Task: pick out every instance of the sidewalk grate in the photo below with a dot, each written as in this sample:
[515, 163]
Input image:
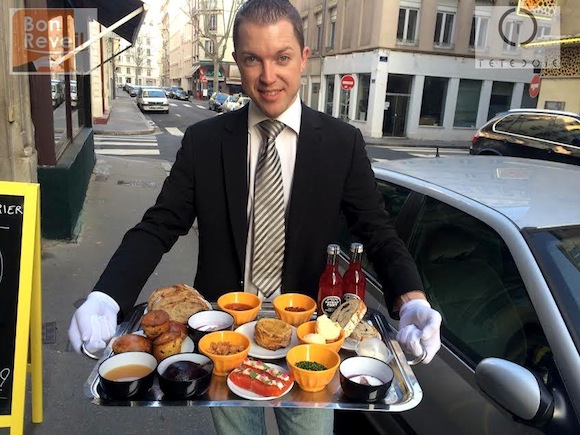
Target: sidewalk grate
[49, 333]
[137, 183]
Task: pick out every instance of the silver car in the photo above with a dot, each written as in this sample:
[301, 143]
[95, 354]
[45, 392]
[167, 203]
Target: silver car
[497, 243]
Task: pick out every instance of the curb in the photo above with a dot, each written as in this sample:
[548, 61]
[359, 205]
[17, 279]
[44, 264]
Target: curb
[123, 132]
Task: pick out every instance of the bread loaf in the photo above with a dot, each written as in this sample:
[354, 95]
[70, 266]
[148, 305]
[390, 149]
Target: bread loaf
[180, 301]
[349, 314]
[364, 330]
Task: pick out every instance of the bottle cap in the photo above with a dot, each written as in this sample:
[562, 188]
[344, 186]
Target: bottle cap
[356, 247]
[333, 249]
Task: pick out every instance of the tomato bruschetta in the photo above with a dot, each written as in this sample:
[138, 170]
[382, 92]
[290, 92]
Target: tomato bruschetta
[259, 378]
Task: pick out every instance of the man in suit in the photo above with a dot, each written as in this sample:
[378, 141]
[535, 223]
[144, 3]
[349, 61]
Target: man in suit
[322, 168]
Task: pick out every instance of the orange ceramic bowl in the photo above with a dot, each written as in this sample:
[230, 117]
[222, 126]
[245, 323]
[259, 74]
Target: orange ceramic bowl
[310, 327]
[240, 316]
[310, 380]
[295, 318]
[223, 364]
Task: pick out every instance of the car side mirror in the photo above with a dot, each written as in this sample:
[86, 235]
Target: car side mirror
[516, 389]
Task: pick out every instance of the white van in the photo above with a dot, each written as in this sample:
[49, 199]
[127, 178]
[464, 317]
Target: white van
[152, 99]
[57, 92]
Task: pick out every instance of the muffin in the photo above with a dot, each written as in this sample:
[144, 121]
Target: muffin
[167, 344]
[155, 323]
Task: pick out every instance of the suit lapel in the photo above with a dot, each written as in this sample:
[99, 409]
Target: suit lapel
[234, 148]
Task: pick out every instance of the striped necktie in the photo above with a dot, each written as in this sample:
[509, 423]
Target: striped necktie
[269, 217]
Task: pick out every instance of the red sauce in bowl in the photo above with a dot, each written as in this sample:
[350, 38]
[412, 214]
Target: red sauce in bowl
[236, 306]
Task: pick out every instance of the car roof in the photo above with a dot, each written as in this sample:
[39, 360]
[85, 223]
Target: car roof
[531, 193]
[544, 111]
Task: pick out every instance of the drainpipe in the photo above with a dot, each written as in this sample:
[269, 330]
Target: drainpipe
[321, 55]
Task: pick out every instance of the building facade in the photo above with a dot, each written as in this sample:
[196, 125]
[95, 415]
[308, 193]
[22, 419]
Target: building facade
[140, 64]
[193, 30]
[412, 63]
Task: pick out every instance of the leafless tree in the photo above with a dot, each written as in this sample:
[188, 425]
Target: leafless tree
[206, 16]
[139, 56]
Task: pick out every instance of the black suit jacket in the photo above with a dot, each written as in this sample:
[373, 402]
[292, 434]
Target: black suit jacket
[209, 181]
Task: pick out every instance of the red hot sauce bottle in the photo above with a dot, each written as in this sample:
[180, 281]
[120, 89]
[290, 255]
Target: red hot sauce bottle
[354, 280]
[330, 284]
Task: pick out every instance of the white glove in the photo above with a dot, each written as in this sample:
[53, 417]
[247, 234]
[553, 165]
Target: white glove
[419, 324]
[94, 322]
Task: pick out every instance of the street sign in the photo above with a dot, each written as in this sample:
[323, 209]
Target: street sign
[534, 88]
[347, 82]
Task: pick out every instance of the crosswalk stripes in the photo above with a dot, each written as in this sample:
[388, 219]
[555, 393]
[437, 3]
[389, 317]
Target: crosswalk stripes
[174, 131]
[138, 145]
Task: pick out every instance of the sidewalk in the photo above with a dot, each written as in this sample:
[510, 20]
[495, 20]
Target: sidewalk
[125, 118]
[119, 192]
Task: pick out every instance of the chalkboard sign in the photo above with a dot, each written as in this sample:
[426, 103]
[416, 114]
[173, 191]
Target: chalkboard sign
[20, 303]
[11, 219]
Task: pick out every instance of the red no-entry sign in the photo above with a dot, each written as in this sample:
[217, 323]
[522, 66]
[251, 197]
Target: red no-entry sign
[534, 88]
[347, 82]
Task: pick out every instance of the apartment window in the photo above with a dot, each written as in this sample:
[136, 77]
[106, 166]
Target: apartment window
[331, 27]
[209, 47]
[148, 41]
[318, 45]
[329, 94]
[478, 37]
[433, 104]
[148, 73]
[305, 28]
[213, 22]
[128, 70]
[148, 52]
[148, 62]
[408, 25]
[512, 33]
[362, 104]
[467, 103]
[444, 29]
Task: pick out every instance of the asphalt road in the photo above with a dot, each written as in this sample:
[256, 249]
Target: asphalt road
[181, 114]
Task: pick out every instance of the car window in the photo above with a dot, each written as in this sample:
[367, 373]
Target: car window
[471, 278]
[154, 93]
[504, 124]
[534, 125]
[566, 130]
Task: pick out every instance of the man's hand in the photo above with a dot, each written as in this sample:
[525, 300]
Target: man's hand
[419, 325]
[94, 323]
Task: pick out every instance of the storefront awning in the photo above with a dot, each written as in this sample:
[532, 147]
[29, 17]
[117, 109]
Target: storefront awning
[192, 71]
[110, 13]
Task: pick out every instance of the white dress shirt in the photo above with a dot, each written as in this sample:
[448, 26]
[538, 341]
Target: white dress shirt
[286, 147]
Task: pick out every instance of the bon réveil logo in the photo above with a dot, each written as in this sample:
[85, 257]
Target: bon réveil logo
[43, 41]
[518, 37]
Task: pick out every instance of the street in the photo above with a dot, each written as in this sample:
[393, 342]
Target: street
[166, 140]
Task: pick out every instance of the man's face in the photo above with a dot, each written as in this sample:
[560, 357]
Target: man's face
[270, 63]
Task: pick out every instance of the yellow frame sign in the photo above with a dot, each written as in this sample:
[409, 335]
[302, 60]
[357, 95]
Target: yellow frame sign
[28, 311]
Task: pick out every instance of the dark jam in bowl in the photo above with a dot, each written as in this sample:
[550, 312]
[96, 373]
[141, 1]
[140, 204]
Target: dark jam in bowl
[236, 306]
[295, 309]
[181, 371]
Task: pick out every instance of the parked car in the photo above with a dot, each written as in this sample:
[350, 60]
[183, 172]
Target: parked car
[73, 93]
[152, 99]
[167, 90]
[234, 103]
[538, 134]
[134, 90]
[57, 92]
[497, 243]
[216, 101]
[180, 94]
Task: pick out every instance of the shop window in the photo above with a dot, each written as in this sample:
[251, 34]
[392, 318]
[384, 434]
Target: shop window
[467, 103]
[314, 95]
[501, 96]
[344, 104]
[433, 103]
[527, 101]
[329, 94]
[362, 104]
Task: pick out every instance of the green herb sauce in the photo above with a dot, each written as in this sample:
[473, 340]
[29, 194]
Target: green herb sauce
[310, 365]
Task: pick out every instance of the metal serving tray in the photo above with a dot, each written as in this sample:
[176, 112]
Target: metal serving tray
[405, 392]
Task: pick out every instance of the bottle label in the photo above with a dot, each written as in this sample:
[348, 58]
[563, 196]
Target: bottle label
[349, 296]
[329, 304]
